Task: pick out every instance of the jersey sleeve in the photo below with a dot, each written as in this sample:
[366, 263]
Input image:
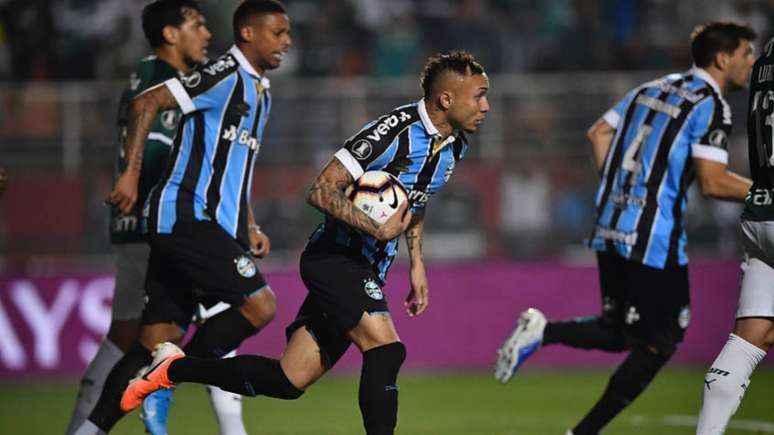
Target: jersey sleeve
[614, 115]
[371, 143]
[206, 86]
[710, 128]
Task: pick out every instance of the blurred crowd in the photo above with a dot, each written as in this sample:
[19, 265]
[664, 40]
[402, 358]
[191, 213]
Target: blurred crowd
[101, 39]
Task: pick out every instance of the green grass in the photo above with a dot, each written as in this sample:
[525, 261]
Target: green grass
[534, 402]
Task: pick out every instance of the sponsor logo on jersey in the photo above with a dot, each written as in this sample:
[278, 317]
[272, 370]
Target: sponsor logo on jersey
[241, 137]
[245, 266]
[192, 80]
[384, 127]
[716, 371]
[362, 149]
[372, 290]
[718, 138]
[220, 66]
[418, 197]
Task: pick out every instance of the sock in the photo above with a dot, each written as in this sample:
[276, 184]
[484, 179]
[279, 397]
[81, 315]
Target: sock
[629, 380]
[725, 384]
[107, 411]
[228, 408]
[378, 394]
[585, 333]
[220, 335]
[93, 379]
[88, 428]
[248, 375]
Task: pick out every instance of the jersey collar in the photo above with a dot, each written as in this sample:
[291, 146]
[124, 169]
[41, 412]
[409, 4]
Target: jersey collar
[439, 141]
[704, 75]
[240, 57]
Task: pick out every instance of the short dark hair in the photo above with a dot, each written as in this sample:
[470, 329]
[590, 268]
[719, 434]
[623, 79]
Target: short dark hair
[717, 36]
[162, 13]
[250, 8]
[458, 61]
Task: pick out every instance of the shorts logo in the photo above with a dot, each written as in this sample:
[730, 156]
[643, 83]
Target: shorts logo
[684, 318]
[245, 266]
[718, 138]
[192, 80]
[362, 149]
[372, 290]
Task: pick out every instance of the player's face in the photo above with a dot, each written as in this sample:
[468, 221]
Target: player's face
[740, 65]
[470, 104]
[271, 39]
[194, 37]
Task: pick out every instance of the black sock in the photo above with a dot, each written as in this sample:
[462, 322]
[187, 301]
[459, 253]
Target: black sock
[378, 395]
[108, 411]
[629, 380]
[220, 334]
[248, 375]
[585, 333]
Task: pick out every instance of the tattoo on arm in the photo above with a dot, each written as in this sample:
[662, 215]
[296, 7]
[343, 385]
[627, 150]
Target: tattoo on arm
[414, 236]
[144, 109]
[327, 195]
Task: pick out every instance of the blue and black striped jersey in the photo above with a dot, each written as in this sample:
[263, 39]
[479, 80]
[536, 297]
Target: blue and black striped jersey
[226, 105]
[660, 127]
[406, 144]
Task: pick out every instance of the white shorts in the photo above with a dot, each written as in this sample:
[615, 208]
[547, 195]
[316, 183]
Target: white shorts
[756, 297]
[129, 292]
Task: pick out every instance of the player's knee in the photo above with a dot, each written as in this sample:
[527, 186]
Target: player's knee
[260, 308]
[665, 350]
[389, 357]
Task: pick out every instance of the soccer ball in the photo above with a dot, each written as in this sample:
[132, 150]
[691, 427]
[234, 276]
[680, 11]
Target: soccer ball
[378, 194]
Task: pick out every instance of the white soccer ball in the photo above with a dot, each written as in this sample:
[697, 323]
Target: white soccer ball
[378, 194]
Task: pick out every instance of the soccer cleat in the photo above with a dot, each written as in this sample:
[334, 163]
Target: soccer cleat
[569, 432]
[154, 411]
[154, 379]
[522, 343]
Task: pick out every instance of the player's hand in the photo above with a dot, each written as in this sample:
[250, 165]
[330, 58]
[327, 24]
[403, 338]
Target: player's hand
[395, 225]
[3, 180]
[260, 245]
[417, 299]
[124, 194]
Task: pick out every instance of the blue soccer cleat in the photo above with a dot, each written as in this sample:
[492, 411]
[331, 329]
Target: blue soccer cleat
[155, 409]
[523, 342]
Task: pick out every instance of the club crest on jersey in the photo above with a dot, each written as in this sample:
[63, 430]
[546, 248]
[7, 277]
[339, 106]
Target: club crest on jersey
[684, 318]
[373, 290]
[245, 266]
[718, 138]
[362, 149]
[192, 80]
[169, 119]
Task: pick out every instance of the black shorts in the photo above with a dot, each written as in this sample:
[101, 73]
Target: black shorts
[341, 289]
[198, 263]
[651, 306]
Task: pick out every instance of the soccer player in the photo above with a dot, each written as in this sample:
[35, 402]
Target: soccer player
[199, 218]
[729, 375]
[648, 149]
[345, 263]
[177, 32]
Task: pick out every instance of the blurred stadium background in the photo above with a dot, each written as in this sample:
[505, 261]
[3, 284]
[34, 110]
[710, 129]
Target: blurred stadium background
[507, 233]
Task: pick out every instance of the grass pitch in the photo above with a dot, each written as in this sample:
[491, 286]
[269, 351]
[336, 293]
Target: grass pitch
[533, 403]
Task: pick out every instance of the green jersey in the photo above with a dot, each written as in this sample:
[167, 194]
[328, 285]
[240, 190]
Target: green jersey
[759, 204]
[149, 72]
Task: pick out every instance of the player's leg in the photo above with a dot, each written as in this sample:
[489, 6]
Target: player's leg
[128, 301]
[657, 314]
[729, 375]
[165, 317]
[602, 332]
[383, 355]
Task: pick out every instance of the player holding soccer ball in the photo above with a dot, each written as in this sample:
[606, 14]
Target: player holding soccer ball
[345, 263]
[648, 149]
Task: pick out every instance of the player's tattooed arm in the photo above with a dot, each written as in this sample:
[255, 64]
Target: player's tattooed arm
[144, 109]
[327, 195]
[414, 236]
